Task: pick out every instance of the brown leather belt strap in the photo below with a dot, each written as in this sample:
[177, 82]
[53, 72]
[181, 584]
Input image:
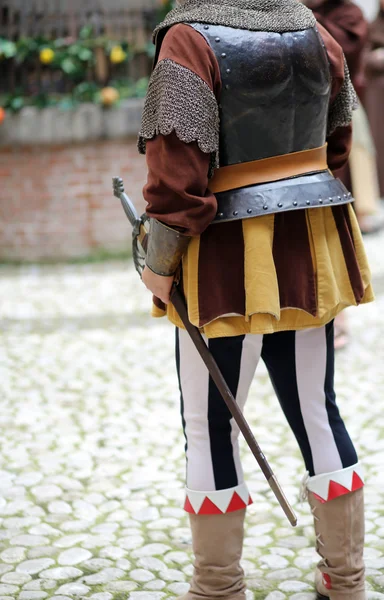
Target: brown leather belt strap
[269, 169]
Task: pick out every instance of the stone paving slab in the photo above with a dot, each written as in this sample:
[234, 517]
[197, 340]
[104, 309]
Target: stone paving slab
[91, 451]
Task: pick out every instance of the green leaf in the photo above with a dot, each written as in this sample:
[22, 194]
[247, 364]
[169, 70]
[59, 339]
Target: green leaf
[43, 100]
[85, 91]
[85, 54]
[17, 103]
[7, 49]
[62, 42]
[141, 87]
[66, 103]
[165, 9]
[150, 50]
[32, 44]
[69, 66]
[86, 32]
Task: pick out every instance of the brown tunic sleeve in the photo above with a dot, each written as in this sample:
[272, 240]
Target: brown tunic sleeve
[177, 187]
[340, 142]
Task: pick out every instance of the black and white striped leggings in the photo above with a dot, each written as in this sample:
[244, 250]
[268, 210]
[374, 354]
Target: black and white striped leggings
[301, 368]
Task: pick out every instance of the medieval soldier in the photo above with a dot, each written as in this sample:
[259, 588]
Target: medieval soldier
[248, 111]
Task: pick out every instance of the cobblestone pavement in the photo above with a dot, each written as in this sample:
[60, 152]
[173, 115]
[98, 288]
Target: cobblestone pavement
[91, 461]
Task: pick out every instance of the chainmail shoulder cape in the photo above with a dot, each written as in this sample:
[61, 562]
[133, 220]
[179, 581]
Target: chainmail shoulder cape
[179, 101]
[341, 111]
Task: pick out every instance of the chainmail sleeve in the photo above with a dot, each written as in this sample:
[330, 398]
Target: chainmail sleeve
[179, 100]
[340, 113]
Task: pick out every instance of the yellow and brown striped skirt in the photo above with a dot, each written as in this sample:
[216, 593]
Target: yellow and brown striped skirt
[272, 273]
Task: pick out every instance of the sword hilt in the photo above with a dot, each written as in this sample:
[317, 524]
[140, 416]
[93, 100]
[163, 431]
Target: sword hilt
[129, 209]
[139, 233]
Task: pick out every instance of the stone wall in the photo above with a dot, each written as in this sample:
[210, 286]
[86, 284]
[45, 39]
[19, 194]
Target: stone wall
[56, 172]
[56, 201]
[55, 126]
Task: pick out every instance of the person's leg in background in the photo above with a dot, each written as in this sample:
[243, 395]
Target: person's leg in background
[301, 367]
[361, 176]
[216, 495]
[341, 331]
[364, 175]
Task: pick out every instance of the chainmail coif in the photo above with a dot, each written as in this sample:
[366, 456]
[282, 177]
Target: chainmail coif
[255, 15]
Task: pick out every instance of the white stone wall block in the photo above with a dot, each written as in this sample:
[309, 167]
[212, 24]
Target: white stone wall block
[56, 126]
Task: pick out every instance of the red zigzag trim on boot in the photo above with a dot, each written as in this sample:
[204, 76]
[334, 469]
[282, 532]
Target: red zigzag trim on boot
[206, 505]
[332, 485]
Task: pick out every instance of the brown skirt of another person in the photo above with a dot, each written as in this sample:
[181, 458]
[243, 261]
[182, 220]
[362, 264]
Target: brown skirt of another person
[375, 109]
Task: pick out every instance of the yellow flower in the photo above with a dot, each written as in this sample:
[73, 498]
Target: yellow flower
[117, 55]
[46, 56]
[109, 95]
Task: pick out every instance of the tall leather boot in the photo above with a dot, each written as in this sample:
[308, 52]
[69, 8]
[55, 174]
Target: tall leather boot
[337, 504]
[217, 544]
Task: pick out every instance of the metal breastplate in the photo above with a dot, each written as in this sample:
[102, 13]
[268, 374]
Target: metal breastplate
[274, 101]
[276, 91]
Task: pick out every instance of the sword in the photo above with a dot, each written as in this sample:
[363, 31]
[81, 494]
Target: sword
[140, 234]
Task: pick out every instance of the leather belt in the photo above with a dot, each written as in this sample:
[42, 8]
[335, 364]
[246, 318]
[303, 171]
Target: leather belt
[298, 193]
[271, 169]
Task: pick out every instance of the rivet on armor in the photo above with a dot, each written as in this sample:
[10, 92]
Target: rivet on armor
[227, 87]
[249, 211]
[331, 199]
[349, 195]
[265, 207]
[345, 196]
[206, 27]
[339, 197]
[295, 203]
[235, 213]
[308, 202]
[220, 215]
[280, 205]
[320, 201]
[228, 71]
[217, 39]
[223, 55]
